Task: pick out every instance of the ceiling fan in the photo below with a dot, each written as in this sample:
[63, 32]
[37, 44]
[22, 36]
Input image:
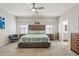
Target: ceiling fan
[34, 8]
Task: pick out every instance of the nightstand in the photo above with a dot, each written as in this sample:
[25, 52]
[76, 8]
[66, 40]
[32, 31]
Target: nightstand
[56, 36]
[51, 36]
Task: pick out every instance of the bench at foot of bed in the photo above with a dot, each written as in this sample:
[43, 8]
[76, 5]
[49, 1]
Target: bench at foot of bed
[34, 45]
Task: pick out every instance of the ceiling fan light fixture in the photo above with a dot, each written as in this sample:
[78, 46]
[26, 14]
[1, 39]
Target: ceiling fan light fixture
[33, 9]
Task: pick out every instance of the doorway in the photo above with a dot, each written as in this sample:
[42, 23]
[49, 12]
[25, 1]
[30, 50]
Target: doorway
[65, 35]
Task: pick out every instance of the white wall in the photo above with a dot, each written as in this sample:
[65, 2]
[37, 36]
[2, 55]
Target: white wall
[10, 27]
[72, 16]
[61, 27]
[43, 20]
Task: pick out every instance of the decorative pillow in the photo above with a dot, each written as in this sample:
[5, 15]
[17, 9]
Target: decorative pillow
[36, 32]
[31, 32]
[41, 32]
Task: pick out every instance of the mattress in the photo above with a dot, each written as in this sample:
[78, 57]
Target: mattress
[34, 38]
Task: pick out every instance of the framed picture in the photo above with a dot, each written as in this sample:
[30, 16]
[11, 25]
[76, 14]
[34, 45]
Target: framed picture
[2, 22]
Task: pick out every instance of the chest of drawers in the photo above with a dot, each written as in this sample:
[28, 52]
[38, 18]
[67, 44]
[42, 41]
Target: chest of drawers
[75, 42]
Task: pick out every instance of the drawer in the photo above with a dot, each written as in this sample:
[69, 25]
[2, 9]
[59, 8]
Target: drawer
[75, 42]
[77, 50]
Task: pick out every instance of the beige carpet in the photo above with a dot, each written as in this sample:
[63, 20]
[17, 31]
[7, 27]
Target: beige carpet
[57, 49]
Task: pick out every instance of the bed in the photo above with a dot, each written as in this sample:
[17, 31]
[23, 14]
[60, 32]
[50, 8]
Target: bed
[35, 39]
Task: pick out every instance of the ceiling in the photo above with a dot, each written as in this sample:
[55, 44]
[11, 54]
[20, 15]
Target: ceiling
[23, 10]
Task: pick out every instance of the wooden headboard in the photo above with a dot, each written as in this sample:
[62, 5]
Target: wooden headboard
[36, 27]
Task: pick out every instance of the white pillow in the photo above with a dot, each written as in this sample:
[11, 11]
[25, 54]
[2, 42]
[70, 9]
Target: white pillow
[36, 32]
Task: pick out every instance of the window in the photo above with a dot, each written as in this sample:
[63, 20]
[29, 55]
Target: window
[49, 29]
[24, 29]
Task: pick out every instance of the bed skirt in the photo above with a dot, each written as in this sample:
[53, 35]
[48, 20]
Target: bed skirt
[34, 45]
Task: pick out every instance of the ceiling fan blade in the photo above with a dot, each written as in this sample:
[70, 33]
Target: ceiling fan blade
[29, 5]
[36, 11]
[39, 8]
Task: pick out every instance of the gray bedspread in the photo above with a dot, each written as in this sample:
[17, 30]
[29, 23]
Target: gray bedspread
[35, 38]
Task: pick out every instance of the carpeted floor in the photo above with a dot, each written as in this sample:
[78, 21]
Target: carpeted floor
[57, 49]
